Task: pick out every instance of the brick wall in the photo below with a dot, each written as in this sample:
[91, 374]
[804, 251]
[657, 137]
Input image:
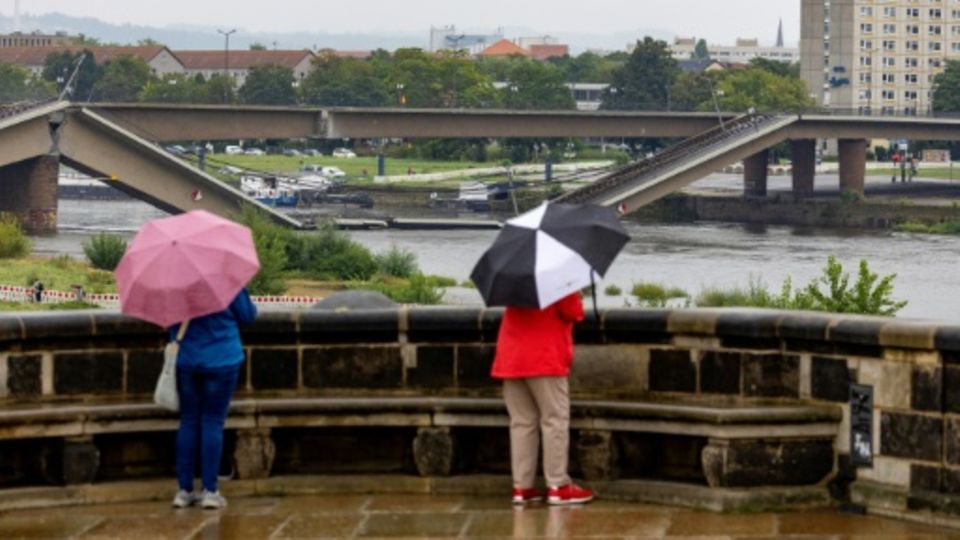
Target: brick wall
[30, 192]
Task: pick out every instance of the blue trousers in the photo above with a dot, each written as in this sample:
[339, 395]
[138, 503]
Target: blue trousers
[204, 401]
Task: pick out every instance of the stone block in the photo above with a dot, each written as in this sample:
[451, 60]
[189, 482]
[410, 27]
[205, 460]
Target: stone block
[636, 325]
[924, 478]
[490, 324]
[271, 328]
[803, 327]
[609, 368]
[81, 461]
[444, 325]
[771, 375]
[951, 390]
[830, 379]
[913, 436]
[330, 327]
[352, 367]
[434, 451]
[755, 324]
[273, 369]
[695, 322]
[860, 331]
[434, 367]
[88, 372]
[754, 463]
[143, 369]
[720, 372]
[473, 366]
[950, 481]
[253, 453]
[23, 375]
[597, 455]
[926, 388]
[672, 371]
[951, 440]
[890, 381]
[887, 470]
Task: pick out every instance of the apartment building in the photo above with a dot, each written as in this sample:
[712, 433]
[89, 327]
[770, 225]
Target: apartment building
[877, 56]
[742, 52]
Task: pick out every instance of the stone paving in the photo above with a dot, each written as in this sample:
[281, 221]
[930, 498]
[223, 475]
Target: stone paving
[366, 516]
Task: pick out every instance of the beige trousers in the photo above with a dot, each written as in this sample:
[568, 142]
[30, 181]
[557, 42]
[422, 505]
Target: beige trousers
[538, 405]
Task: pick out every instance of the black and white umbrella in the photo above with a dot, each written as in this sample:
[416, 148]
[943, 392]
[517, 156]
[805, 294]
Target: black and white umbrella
[548, 253]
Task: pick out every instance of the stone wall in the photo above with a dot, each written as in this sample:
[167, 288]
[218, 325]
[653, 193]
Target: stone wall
[751, 356]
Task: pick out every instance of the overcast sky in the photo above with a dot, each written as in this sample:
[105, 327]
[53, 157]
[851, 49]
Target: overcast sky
[719, 21]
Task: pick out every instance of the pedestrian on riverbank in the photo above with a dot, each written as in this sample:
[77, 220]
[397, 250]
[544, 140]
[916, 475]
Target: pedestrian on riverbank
[533, 358]
[208, 366]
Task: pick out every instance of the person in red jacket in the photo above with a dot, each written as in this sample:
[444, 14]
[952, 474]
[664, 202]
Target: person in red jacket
[534, 354]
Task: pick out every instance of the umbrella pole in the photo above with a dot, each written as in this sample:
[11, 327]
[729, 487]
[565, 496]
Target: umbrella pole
[593, 294]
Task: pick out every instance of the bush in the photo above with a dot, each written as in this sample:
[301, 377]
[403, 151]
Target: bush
[271, 242]
[613, 290]
[104, 251]
[655, 294]
[418, 289]
[13, 241]
[330, 254]
[397, 262]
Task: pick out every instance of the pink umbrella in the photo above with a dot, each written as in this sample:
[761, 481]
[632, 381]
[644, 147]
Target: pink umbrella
[184, 267]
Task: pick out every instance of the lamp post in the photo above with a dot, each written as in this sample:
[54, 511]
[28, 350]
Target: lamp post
[716, 104]
[226, 56]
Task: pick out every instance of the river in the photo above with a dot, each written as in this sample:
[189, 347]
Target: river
[687, 256]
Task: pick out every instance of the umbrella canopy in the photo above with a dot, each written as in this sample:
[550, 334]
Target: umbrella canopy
[548, 253]
[184, 267]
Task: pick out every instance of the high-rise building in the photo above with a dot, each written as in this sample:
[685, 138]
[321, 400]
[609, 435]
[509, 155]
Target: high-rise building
[877, 56]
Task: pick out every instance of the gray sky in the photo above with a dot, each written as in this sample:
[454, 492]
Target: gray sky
[719, 21]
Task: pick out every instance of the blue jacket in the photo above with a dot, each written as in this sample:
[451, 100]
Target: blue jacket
[213, 341]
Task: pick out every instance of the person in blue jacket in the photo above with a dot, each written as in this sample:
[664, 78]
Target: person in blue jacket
[207, 369]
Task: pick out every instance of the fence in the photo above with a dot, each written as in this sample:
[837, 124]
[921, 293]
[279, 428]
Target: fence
[11, 293]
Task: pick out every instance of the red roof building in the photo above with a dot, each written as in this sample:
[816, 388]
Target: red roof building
[504, 47]
[211, 62]
[161, 59]
[545, 51]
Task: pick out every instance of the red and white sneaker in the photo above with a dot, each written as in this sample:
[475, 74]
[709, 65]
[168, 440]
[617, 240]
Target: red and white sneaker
[568, 494]
[527, 496]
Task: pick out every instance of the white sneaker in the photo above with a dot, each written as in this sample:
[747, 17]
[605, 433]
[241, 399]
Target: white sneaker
[212, 501]
[184, 499]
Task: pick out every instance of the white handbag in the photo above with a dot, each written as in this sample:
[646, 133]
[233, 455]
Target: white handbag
[166, 394]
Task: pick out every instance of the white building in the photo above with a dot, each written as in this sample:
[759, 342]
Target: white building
[742, 52]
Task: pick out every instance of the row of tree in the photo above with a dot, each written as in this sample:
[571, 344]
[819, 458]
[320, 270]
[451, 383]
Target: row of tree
[646, 79]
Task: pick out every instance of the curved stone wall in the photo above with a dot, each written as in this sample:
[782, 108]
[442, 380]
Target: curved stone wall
[740, 357]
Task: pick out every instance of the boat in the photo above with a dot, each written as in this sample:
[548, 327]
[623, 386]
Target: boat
[270, 190]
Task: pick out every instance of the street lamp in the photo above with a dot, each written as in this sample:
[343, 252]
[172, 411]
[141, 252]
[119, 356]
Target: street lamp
[716, 104]
[400, 99]
[226, 56]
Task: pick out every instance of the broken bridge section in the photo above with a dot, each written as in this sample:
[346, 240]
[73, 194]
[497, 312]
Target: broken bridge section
[34, 140]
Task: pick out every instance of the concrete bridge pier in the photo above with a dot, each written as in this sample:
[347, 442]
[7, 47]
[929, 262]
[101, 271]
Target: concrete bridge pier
[804, 157]
[29, 191]
[755, 174]
[853, 165]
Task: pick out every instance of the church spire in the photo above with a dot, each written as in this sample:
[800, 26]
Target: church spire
[780, 34]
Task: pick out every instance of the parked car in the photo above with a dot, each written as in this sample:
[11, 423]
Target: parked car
[233, 150]
[312, 152]
[176, 149]
[312, 168]
[291, 152]
[333, 172]
[230, 169]
[343, 153]
[253, 152]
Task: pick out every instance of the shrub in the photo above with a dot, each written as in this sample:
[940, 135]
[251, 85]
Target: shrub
[104, 251]
[613, 290]
[417, 289]
[397, 262]
[13, 241]
[271, 243]
[331, 254]
[655, 294]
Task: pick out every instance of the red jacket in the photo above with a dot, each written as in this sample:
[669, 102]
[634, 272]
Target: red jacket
[537, 343]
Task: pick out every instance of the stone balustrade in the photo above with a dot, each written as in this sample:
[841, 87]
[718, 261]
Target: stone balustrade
[662, 394]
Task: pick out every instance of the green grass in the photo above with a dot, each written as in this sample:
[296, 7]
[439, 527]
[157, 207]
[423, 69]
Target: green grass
[31, 306]
[352, 167]
[939, 173]
[56, 274]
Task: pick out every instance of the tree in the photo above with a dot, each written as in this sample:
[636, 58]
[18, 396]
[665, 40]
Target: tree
[345, 82]
[700, 51]
[587, 68]
[761, 90]
[172, 88]
[644, 81]
[148, 42]
[59, 66]
[123, 78]
[257, 46]
[536, 85]
[219, 89]
[18, 84]
[269, 85]
[691, 90]
[946, 85]
[784, 69]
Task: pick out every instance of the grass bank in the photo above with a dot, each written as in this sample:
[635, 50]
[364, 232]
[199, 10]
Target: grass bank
[353, 167]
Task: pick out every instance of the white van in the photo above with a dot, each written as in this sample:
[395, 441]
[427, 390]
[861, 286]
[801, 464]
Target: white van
[233, 150]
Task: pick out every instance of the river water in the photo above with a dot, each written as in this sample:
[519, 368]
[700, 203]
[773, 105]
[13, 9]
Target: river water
[691, 257]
